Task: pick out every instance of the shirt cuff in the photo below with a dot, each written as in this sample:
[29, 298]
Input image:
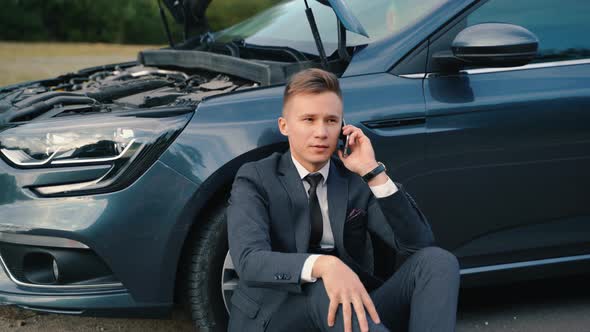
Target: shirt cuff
[307, 267]
[383, 190]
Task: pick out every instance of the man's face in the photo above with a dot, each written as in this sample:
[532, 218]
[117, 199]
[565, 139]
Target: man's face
[312, 122]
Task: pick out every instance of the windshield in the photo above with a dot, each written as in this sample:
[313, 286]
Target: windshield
[286, 23]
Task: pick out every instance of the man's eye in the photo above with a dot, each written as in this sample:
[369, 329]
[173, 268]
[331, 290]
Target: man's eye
[308, 119]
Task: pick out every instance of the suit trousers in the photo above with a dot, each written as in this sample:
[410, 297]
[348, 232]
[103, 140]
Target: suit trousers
[420, 296]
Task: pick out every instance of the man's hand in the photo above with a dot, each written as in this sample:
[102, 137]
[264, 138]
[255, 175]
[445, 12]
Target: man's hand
[361, 159]
[344, 287]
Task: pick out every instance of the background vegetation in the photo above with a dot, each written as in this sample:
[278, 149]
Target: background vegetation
[107, 21]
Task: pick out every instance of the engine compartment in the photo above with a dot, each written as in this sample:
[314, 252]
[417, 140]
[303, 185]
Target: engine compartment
[124, 87]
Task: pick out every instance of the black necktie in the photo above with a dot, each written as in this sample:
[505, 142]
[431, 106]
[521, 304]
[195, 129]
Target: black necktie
[317, 225]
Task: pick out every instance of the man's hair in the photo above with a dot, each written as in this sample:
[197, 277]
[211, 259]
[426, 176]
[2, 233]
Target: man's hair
[311, 81]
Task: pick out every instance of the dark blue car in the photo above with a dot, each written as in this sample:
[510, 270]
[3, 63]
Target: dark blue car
[114, 179]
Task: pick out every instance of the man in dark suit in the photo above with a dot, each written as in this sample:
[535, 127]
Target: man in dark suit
[302, 226]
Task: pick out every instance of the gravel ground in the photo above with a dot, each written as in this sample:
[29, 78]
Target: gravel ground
[546, 306]
[555, 305]
[19, 320]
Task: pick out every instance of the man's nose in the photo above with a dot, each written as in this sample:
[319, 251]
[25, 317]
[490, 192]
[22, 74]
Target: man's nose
[321, 131]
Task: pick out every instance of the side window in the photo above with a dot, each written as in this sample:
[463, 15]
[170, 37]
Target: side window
[562, 26]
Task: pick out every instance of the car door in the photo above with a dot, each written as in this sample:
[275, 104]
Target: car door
[390, 110]
[508, 149]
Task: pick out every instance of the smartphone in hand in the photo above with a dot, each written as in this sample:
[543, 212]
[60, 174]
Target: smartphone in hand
[343, 140]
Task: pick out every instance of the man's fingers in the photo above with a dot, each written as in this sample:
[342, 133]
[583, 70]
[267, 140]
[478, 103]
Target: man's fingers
[352, 138]
[360, 314]
[356, 137]
[332, 309]
[347, 316]
[349, 129]
[368, 302]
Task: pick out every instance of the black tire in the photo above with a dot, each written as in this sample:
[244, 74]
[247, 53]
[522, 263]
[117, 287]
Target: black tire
[204, 265]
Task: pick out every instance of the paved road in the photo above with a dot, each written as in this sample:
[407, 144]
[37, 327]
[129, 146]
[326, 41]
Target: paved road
[546, 306]
[542, 306]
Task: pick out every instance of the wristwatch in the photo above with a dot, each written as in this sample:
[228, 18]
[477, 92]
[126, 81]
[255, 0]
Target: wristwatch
[381, 168]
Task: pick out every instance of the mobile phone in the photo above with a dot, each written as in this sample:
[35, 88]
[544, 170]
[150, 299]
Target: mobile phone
[343, 140]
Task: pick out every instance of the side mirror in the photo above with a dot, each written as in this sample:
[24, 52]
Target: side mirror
[490, 45]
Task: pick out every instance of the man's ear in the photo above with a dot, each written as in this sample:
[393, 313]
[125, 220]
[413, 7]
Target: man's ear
[283, 126]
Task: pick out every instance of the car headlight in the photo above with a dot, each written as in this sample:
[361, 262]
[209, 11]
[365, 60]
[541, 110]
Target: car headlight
[118, 140]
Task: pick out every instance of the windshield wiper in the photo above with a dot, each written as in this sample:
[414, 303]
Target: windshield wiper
[239, 46]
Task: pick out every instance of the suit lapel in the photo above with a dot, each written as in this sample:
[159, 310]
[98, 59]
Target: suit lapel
[337, 205]
[299, 212]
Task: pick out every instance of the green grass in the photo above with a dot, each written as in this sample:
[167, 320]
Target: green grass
[32, 61]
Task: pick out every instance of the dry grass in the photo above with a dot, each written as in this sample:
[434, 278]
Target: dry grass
[31, 61]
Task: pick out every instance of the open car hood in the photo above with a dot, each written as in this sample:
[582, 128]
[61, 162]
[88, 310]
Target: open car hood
[192, 14]
[346, 17]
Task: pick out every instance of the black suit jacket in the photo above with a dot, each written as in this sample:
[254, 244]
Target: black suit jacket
[269, 227]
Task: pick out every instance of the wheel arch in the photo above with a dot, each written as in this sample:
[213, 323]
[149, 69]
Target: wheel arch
[209, 197]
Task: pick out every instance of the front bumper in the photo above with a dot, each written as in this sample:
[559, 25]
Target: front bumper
[111, 302]
[138, 232]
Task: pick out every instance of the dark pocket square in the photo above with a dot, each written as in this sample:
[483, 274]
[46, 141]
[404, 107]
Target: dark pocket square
[354, 214]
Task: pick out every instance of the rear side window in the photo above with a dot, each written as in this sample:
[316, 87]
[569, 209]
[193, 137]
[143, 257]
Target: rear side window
[562, 26]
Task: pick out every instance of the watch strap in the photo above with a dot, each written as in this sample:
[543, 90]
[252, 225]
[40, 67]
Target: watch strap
[374, 172]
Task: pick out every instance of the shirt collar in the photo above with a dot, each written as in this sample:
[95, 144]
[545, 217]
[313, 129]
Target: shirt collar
[324, 171]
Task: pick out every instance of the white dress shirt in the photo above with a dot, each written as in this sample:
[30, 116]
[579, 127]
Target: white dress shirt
[327, 241]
